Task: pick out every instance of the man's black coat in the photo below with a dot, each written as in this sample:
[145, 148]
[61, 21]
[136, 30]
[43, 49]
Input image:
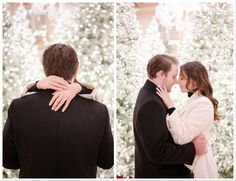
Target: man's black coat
[44, 143]
[156, 154]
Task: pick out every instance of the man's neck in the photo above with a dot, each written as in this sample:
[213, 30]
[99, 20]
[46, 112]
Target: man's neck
[71, 81]
[156, 82]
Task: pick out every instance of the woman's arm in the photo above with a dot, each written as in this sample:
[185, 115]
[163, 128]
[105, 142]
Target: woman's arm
[57, 83]
[64, 92]
[184, 130]
[86, 88]
[50, 82]
[64, 97]
[89, 92]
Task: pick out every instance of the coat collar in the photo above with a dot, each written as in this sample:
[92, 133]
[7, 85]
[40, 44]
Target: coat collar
[193, 97]
[150, 86]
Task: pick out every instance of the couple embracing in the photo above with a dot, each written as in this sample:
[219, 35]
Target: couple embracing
[58, 131]
[171, 144]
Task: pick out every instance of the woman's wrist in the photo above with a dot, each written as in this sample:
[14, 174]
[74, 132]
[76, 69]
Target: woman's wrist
[77, 87]
[170, 106]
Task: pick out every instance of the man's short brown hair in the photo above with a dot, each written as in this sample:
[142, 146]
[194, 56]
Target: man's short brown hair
[160, 62]
[61, 60]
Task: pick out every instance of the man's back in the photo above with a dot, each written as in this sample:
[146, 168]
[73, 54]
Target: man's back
[49, 144]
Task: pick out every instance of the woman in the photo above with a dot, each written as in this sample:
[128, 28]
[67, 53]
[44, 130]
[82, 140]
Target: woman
[196, 117]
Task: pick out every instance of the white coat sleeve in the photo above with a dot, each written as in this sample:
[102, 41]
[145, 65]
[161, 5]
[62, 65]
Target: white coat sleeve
[183, 130]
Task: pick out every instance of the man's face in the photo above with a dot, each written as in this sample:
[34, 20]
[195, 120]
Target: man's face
[171, 77]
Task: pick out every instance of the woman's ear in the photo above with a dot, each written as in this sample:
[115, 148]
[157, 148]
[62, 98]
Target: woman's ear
[193, 85]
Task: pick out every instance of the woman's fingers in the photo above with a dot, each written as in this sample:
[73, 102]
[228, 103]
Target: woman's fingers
[52, 82]
[57, 82]
[54, 87]
[55, 96]
[57, 86]
[62, 85]
[158, 93]
[165, 88]
[66, 105]
[57, 101]
[62, 101]
[55, 92]
[60, 97]
[159, 89]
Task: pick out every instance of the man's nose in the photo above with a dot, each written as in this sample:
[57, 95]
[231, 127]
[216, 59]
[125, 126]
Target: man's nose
[177, 81]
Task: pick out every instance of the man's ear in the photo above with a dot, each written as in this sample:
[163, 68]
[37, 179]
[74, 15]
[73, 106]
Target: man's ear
[160, 74]
[76, 71]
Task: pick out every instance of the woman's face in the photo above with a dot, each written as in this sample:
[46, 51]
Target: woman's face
[182, 81]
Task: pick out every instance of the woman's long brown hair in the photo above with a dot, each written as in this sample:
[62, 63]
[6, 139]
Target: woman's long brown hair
[196, 72]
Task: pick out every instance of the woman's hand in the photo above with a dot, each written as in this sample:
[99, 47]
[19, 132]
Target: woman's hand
[165, 96]
[52, 82]
[64, 96]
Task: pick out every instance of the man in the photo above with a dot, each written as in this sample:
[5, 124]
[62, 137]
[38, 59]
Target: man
[43, 143]
[156, 154]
